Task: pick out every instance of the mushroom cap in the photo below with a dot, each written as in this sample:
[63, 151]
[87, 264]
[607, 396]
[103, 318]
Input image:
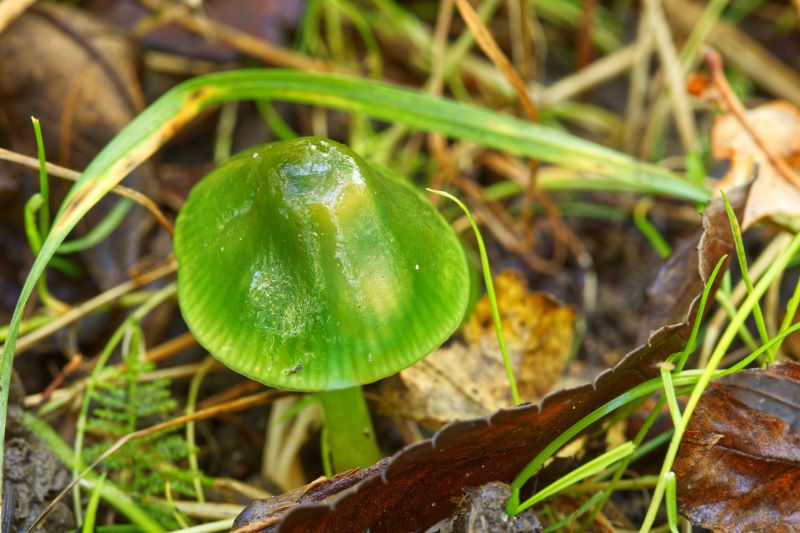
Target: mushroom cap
[303, 267]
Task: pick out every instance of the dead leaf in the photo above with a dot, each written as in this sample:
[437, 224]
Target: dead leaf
[271, 510]
[738, 467]
[449, 384]
[417, 487]
[538, 332]
[468, 380]
[672, 291]
[778, 123]
[79, 77]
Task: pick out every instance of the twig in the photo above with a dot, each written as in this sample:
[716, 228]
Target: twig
[437, 145]
[522, 43]
[232, 392]
[500, 226]
[490, 47]
[88, 306]
[240, 487]
[735, 107]
[242, 41]
[179, 371]
[689, 57]
[74, 175]
[204, 510]
[675, 78]
[191, 407]
[157, 353]
[600, 71]
[637, 85]
[166, 349]
[184, 66]
[584, 48]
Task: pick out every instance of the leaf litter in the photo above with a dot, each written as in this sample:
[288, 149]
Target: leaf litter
[738, 467]
[461, 453]
[466, 379]
[420, 485]
[779, 124]
[79, 77]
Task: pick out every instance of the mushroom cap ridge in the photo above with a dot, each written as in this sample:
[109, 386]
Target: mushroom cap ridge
[303, 267]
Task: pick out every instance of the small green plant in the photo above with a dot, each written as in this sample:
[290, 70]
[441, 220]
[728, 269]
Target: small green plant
[147, 466]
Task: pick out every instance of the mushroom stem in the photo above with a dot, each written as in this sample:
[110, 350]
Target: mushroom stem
[350, 432]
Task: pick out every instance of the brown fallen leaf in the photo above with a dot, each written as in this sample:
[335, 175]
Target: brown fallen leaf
[468, 380]
[418, 486]
[779, 124]
[538, 332]
[79, 77]
[738, 467]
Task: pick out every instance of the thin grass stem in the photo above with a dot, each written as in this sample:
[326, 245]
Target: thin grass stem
[586, 470]
[748, 283]
[487, 278]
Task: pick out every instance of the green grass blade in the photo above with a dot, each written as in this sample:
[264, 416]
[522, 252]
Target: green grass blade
[44, 186]
[589, 469]
[672, 502]
[487, 278]
[91, 508]
[32, 205]
[571, 518]
[669, 392]
[791, 309]
[748, 283]
[102, 230]
[709, 373]
[647, 228]
[679, 360]
[681, 379]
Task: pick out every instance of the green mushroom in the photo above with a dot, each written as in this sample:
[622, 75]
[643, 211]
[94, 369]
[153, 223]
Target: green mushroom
[306, 268]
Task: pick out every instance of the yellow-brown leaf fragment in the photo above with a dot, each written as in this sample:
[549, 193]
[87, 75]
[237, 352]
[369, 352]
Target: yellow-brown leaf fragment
[467, 379]
[778, 123]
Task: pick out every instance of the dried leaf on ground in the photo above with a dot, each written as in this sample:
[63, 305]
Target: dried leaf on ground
[738, 466]
[468, 380]
[419, 485]
[779, 124]
[79, 77]
[672, 291]
[538, 332]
